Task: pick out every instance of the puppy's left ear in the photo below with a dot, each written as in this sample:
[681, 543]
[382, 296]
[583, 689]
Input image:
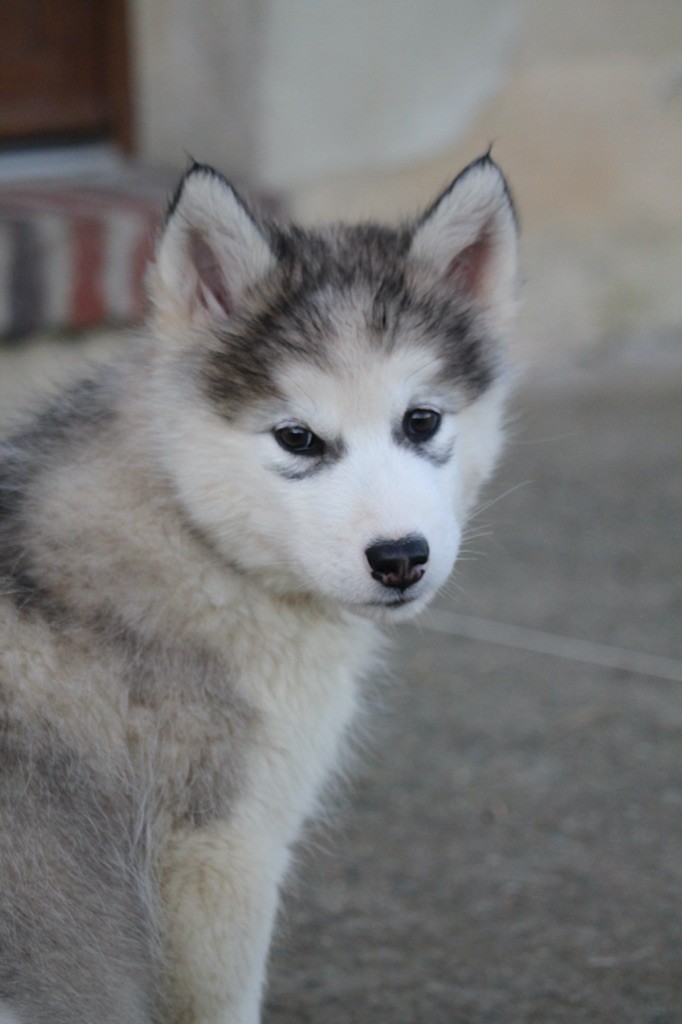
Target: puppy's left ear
[469, 240]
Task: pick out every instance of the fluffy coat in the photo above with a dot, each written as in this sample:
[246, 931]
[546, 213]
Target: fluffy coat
[188, 603]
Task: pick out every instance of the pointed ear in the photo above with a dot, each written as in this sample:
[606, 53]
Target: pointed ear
[211, 252]
[469, 239]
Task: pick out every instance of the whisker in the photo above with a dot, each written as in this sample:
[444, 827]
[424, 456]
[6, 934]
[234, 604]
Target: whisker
[493, 501]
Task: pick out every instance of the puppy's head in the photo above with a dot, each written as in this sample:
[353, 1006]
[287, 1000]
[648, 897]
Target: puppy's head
[337, 394]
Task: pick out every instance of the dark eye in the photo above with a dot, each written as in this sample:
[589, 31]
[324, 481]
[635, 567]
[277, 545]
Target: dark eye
[421, 424]
[300, 440]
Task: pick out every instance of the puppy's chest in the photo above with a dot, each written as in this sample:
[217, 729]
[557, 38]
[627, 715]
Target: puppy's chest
[207, 729]
[303, 717]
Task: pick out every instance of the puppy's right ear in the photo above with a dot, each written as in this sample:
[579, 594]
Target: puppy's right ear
[211, 252]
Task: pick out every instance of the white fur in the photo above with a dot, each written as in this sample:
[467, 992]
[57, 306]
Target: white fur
[220, 884]
[311, 535]
[305, 538]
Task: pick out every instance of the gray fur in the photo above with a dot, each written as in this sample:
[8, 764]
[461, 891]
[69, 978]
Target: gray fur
[292, 315]
[75, 942]
[77, 921]
[81, 410]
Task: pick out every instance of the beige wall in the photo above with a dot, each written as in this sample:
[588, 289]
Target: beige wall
[195, 68]
[284, 91]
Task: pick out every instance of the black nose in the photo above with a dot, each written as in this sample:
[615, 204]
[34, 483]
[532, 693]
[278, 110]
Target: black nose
[397, 563]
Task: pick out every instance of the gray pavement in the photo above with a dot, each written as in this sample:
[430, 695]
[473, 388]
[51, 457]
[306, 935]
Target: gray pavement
[511, 850]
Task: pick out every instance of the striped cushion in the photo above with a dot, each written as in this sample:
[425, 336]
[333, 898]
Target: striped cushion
[73, 255]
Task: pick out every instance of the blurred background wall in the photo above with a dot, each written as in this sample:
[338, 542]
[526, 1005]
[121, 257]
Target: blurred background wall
[282, 91]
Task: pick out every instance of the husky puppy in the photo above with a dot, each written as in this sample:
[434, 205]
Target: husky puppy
[198, 545]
